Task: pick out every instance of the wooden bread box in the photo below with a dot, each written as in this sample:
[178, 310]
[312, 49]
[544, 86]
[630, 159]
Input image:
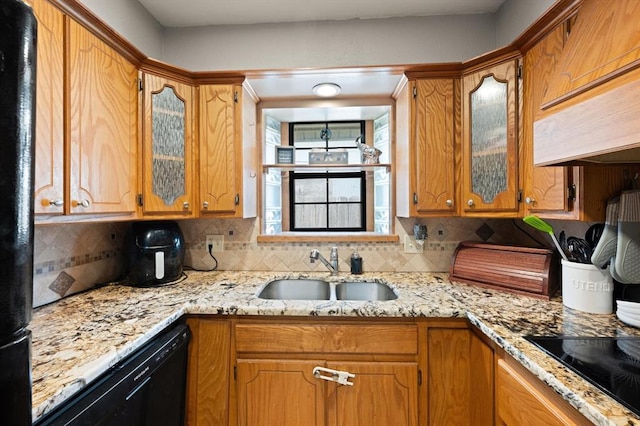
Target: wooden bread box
[523, 270]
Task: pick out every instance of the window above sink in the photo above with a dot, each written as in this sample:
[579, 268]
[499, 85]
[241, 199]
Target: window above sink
[296, 211]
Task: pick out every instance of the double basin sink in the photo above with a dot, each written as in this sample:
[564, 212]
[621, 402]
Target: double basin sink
[317, 289]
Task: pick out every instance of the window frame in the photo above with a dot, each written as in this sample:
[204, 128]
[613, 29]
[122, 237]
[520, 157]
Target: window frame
[293, 176]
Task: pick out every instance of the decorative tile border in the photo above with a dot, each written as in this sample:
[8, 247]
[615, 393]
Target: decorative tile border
[70, 262]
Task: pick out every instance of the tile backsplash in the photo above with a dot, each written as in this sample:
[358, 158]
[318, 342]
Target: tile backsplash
[70, 258]
[242, 252]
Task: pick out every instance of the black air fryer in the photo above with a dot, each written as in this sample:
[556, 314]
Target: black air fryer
[155, 252]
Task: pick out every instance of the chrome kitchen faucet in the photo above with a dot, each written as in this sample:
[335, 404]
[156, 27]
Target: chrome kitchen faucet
[332, 265]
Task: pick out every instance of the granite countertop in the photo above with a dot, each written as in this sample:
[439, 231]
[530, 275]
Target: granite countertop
[78, 338]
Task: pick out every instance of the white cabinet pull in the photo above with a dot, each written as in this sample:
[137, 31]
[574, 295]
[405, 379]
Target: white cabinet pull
[56, 203]
[340, 377]
[84, 203]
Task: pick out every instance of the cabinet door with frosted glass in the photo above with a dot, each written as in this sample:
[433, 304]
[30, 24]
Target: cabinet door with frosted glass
[167, 150]
[489, 149]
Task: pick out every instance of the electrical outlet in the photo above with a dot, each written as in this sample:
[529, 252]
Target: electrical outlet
[410, 245]
[217, 241]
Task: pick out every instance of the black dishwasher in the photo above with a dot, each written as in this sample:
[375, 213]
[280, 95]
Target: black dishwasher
[146, 388]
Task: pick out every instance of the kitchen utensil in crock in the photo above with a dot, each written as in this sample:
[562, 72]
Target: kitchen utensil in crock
[593, 234]
[627, 259]
[579, 250]
[607, 244]
[541, 225]
[562, 239]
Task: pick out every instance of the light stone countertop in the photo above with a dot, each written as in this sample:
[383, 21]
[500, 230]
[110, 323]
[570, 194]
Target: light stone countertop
[78, 338]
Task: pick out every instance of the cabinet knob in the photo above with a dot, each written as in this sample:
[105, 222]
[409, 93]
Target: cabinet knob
[56, 203]
[529, 200]
[470, 203]
[449, 203]
[185, 205]
[205, 205]
[84, 203]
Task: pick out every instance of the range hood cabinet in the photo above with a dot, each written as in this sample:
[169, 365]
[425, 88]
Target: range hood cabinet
[591, 110]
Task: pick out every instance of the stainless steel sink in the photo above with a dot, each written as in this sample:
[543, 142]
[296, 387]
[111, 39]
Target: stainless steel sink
[364, 291]
[296, 289]
[317, 289]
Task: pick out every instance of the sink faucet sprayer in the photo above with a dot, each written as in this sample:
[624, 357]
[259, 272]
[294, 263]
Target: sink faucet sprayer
[333, 258]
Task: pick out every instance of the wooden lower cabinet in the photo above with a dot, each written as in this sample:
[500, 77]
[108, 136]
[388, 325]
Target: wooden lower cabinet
[276, 385]
[209, 372]
[251, 371]
[384, 393]
[286, 393]
[460, 377]
[522, 400]
[279, 392]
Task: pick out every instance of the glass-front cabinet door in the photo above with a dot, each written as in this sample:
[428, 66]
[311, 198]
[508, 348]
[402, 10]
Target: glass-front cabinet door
[167, 152]
[490, 152]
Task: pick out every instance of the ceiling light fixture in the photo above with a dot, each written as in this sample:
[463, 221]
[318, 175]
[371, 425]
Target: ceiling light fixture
[326, 90]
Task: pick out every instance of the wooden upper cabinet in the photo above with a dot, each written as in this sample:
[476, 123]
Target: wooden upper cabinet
[575, 193]
[167, 152]
[604, 43]
[49, 170]
[590, 111]
[489, 142]
[432, 151]
[546, 189]
[425, 147]
[228, 151]
[102, 108]
[219, 152]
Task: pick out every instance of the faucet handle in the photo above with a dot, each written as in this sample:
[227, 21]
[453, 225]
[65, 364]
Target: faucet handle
[334, 252]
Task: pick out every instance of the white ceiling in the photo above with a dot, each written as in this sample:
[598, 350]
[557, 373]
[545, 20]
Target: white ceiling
[170, 13]
[356, 83]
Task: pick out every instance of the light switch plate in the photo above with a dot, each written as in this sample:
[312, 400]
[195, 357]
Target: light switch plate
[410, 245]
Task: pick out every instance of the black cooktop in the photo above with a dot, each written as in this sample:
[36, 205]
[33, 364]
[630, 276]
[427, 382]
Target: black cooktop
[610, 363]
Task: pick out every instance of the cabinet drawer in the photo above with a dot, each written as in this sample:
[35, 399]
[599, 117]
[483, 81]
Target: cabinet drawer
[327, 338]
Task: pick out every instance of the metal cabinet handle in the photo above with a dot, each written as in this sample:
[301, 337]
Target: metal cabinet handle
[237, 199]
[340, 377]
[185, 205]
[84, 203]
[529, 200]
[205, 205]
[56, 203]
[449, 203]
[470, 203]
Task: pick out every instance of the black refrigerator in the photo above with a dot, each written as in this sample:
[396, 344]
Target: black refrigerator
[17, 136]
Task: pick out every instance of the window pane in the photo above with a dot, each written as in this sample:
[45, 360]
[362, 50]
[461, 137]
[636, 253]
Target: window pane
[310, 190]
[311, 216]
[345, 216]
[345, 189]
